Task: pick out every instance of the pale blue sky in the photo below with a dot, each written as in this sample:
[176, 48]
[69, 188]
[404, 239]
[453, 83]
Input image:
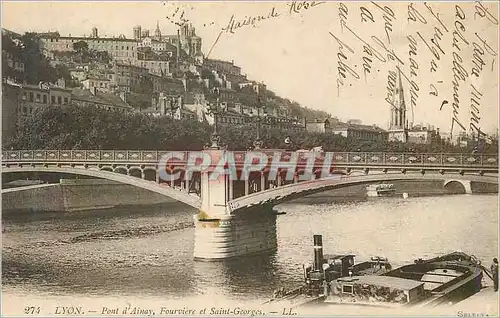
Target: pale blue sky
[295, 55]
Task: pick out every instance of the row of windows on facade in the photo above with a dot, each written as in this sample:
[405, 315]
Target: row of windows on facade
[99, 84]
[366, 135]
[26, 110]
[43, 98]
[152, 63]
[104, 47]
[246, 120]
[97, 41]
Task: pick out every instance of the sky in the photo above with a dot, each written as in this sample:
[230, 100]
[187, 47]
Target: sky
[304, 54]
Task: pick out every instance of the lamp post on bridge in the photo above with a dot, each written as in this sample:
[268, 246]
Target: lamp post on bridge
[214, 109]
[258, 142]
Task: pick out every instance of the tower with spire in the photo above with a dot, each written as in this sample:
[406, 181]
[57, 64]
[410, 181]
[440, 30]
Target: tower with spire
[158, 31]
[398, 129]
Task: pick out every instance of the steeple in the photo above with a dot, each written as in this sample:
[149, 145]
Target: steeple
[398, 112]
[158, 31]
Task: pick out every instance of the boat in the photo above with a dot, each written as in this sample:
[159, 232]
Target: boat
[328, 267]
[380, 190]
[446, 279]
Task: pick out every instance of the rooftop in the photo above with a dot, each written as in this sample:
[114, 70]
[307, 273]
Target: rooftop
[99, 97]
[83, 38]
[44, 87]
[341, 126]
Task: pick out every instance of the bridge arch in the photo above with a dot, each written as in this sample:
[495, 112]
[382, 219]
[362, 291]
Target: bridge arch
[289, 192]
[135, 172]
[182, 196]
[453, 184]
[120, 169]
[149, 174]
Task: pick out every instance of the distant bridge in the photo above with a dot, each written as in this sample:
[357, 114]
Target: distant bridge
[221, 200]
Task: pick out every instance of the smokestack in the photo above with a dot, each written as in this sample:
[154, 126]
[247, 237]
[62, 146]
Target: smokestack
[318, 252]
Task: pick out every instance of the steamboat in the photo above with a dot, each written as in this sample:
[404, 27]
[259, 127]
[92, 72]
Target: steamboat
[336, 279]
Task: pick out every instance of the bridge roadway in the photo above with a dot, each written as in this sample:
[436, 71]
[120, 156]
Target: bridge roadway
[224, 229]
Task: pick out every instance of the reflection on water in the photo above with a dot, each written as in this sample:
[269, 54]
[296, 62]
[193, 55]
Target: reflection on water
[149, 251]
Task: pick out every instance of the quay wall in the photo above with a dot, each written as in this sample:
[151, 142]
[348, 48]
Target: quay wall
[77, 195]
[44, 197]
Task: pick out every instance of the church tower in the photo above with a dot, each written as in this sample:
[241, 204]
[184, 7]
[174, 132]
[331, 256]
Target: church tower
[398, 128]
[158, 31]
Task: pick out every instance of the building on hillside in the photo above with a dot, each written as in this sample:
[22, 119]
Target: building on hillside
[119, 48]
[360, 132]
[318, 126]
[185, 113]
[257, 88]
[234, 80]
[227, 95]
[13, 62]
[171, 106]
[195, 102]
[154, 66]
[78, 74]
[127, 76]
[100, 82]
[33, 97]
[222, 66]
[106, 101]
[167, 85]
[158, 46]
[398, 128]
[420, 134]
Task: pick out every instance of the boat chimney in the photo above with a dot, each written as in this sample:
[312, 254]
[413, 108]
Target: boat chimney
[318, 252]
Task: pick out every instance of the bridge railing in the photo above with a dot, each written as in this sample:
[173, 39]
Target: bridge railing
[338, 158]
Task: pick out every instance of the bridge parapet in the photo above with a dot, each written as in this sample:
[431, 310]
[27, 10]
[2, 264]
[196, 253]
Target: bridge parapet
[341, 159]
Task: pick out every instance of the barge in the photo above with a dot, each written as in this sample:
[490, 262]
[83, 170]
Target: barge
[380, 190]
[338, 280]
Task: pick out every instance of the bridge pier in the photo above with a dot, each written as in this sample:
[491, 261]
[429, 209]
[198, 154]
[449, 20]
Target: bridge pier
[221, 235]
[248, 232]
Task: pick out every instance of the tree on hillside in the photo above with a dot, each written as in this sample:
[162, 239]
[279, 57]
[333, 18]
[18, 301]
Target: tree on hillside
[80, 47]
[37, 67]
[98, 56]
[13, 54]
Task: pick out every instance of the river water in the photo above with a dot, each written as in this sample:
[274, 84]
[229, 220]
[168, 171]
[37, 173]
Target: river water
[147, 252]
